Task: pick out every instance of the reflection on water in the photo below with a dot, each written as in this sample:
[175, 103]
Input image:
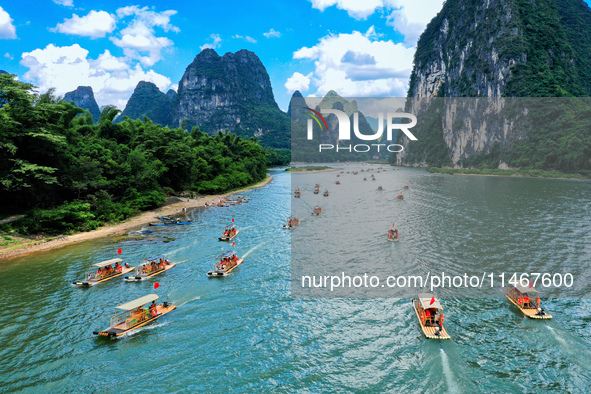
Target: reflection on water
[245, 331]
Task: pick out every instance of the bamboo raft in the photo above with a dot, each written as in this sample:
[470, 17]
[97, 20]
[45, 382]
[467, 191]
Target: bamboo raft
[532, 313]
[430, 331]
[142, 276]
[103, 264]
[133, 318]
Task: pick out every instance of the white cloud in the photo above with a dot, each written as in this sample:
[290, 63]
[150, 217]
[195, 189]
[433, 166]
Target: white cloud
[216, 42]
[8, 56]
[408, 17]
[65, 3]
[358, 9]
[95, 24]
[299, 82]
[272, 33]
[357, 65]
[7, 29]
[138, 39]
[65, 68]
[246, 38]
[144, 16]
[108, 62]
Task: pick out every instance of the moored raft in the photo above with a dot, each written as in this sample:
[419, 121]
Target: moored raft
[430, 315]
[106, 270]
[176, 222]
[135, 315]
[150, 267]
[227, 262]
[523, 298]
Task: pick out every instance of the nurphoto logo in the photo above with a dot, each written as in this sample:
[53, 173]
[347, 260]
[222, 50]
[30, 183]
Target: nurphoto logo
[344, 132]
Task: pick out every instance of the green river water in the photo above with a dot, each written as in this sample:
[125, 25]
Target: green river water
[246, 333]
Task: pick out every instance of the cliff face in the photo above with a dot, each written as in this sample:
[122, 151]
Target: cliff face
[494, 49]
[230, 92]
[83, 97]
[148, 100]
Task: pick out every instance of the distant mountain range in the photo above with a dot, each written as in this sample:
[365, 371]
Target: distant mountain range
[216, 93]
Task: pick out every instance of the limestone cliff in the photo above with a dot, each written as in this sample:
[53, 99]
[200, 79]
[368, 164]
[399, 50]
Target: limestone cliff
[230, 92]
[494, 49]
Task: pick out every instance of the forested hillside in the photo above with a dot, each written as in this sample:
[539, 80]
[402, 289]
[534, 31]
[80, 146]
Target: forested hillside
[69, 174]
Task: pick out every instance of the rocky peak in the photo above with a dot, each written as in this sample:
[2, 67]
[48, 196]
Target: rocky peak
[230, 92]
[171, 94]
[148, 100]
[83, 97]
[296, 106]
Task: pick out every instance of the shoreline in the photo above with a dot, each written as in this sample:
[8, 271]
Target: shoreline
[313, 171]
[508, 174]
[32, 246]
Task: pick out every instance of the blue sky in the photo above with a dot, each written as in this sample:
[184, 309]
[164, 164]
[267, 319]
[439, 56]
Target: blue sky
[357, 47]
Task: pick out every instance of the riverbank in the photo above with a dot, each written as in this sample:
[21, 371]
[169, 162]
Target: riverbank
[309, 169]
[20, 246]
[509, 173]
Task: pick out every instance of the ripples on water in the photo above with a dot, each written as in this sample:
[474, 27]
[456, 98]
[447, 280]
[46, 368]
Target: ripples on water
[245, 331]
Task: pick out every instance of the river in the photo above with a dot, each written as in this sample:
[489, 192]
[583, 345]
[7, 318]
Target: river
[247, 333]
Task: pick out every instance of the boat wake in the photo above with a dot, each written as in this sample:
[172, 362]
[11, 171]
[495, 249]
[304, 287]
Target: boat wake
[253, 249]
[452, 386]
[186, 302]
[141, 329]
[578, 352]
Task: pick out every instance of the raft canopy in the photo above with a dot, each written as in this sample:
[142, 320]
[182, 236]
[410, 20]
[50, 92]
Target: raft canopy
[227, 254]
[139, 302]
[107, 263]
[160, 256]
[425, 300]
[229, 227]
[526, 289]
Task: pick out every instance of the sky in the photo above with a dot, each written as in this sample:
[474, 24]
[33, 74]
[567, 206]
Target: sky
[359, 48]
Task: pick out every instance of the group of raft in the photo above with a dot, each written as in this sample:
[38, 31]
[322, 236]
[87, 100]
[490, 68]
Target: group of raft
[293, 221]
[430, 312]
[137, 313]
[427, 307]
